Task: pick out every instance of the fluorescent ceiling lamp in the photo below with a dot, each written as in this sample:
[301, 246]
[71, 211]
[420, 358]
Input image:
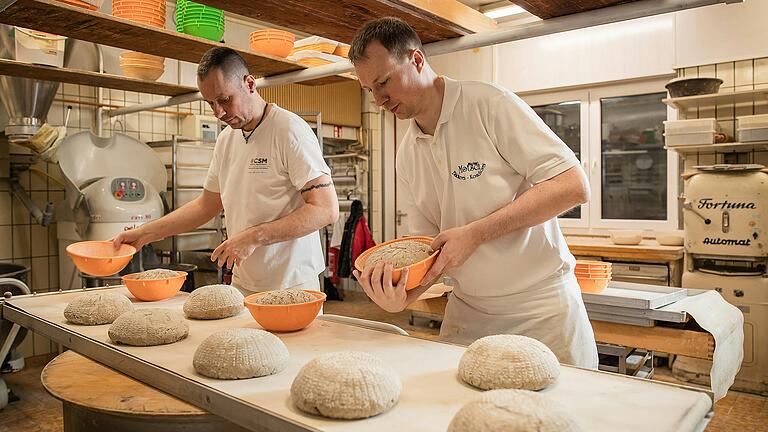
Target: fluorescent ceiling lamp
[504, 11]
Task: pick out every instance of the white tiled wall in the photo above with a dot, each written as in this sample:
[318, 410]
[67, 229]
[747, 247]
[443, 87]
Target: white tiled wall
[737, 76]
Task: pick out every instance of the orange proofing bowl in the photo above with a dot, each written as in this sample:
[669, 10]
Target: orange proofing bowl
[154, 289]
[100, 258]
[416, 271]
[284, 318]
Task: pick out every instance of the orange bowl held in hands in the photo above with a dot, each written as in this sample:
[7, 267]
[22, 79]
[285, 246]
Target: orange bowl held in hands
[284, 318]
[100, 258]
[154, 289]
[416, 271]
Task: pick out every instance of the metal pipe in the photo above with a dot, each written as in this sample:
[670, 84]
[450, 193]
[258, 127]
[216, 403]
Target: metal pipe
[100, 93]
[607, 15]
[175, 100]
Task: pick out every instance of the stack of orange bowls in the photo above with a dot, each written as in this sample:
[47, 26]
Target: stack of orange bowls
[593, 276]
[278, 43]
[149, 12]
[142, 66]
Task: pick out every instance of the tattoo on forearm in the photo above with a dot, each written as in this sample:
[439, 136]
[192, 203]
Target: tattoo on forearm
[317, 186]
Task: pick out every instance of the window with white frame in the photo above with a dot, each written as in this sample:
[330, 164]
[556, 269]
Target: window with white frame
[617, 132]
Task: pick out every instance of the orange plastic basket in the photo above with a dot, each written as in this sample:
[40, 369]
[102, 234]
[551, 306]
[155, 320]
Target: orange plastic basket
[284, 318]
[416, 271]
[100, 258]
[154, 289]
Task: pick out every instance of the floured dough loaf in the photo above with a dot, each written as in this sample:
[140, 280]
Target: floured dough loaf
[284, 297]
[97, 308]
[147, 327]
[508, 362]
[512, 411]
[240, 353]
[346, 385]
[213, 302]
[156, 274]
[400, 254]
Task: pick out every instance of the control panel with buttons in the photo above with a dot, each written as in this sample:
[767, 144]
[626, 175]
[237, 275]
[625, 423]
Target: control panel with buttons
[127, 189]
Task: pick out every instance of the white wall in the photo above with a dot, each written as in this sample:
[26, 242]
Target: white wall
[722, 33]
[632, 49]
[471, 65]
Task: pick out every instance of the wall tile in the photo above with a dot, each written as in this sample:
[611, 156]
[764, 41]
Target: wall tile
[39, 274]
[38, 181]
[743, 74]
[6, 242]
[725, 72]
[53, 273]
[39, 241]
[6, 212]
[21, 241]
[761, 70]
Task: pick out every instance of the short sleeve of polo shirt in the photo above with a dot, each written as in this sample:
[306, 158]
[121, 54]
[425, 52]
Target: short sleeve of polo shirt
[525, 141]
[302, 155]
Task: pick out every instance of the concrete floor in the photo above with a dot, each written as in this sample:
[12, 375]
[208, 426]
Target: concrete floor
[37, 411]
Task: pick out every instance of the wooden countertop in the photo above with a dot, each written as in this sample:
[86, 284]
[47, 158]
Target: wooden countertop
[603, 247]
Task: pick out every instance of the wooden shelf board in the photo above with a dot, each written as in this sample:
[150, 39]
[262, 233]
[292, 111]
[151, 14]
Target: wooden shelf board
[722, 148]
[340, 19]
[710, 100]
[59, 18]
[88, 78]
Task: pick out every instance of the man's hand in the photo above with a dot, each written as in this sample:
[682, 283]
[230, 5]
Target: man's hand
[377, 284]
[136, 237]
[236, 249]
[457, 245]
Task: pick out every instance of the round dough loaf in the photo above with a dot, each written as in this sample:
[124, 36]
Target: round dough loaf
[400, 254]
[284, 297]
[508, 362]
[512, 411]
[97, 308]
[148, 327]
[156, 274]
[346, 385]
[240, 353]
[214, 302]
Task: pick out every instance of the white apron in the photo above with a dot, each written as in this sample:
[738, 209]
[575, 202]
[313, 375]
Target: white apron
[552, 312]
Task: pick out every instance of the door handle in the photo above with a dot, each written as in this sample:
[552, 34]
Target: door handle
[399, 217]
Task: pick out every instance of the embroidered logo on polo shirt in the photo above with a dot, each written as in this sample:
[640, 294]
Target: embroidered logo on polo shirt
[258, 164]
[469, 171]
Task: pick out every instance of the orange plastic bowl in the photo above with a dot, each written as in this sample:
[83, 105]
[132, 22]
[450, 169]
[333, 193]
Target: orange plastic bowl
[154, 289]
[284, 318]
[100, 258]
[594, 286]
[416, 271]
[592, 274]
[277, 48]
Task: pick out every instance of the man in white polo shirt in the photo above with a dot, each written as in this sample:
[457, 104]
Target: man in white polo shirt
[269, 176]
[480, 171]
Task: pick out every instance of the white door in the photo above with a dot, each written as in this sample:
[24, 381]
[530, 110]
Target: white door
[398, 217]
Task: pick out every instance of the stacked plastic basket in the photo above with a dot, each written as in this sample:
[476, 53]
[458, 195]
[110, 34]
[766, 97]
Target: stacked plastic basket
[198, 20]
[147, 12]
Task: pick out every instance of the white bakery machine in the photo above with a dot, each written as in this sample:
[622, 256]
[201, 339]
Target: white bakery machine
[112, 184]
[726, 249]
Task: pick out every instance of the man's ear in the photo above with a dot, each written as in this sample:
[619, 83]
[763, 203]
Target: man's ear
[419, 59]
[250, 83]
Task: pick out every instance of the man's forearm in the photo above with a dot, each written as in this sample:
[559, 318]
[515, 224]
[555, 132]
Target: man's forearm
[300, 222]
[537, 205]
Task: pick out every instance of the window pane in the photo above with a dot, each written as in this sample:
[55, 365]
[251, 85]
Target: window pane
[634, 162]
[565, 120]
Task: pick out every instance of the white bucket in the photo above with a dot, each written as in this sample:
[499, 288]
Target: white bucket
[39, 48]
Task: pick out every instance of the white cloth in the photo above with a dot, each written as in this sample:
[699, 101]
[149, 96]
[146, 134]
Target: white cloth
[260, 181]
[338, 230]
[488, 148]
